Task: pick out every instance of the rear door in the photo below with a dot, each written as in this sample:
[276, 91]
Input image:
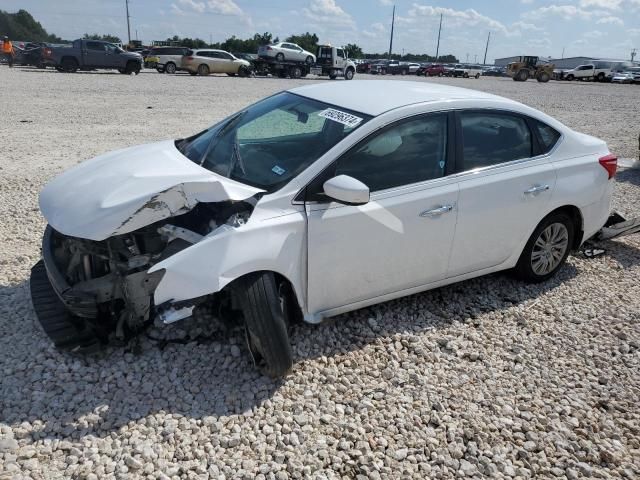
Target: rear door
[94, 54]
[506, 183]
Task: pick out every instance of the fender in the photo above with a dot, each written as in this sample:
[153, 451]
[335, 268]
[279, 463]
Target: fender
[276, 244]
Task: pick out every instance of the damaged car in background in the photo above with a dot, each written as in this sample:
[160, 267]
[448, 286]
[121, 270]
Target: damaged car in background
[311, 203]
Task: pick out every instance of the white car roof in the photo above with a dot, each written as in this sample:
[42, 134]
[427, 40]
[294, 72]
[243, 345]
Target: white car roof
[374, 97]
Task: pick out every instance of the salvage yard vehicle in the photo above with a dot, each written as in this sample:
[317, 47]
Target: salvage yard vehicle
[314, 202]
[624, 77]
[333, 62]
[467, 71]
[165, 59]
[527, 67]
[588, 72]
[206, 61]
[286, 51]
[94, 54]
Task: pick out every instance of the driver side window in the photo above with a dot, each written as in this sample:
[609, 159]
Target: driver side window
[407, 152]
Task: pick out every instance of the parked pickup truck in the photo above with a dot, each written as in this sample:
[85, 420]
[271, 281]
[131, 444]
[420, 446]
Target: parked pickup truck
[93, 54]
[590, 72]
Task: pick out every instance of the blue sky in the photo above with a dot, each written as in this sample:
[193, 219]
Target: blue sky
[606, 28]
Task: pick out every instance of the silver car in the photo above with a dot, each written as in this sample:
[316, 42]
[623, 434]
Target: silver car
[285, 51]
[206, 61]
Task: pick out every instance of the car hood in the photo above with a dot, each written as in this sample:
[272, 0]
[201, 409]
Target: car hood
[122, 191]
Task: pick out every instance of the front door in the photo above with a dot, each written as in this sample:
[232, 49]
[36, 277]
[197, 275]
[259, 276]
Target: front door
[504, 194]
[402, 237]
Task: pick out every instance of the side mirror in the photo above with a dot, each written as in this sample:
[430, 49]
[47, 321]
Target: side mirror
[347, 190]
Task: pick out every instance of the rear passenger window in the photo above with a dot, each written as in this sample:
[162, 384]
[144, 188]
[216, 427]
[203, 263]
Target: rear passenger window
[408, 152]
[547, 135]
[494, 138]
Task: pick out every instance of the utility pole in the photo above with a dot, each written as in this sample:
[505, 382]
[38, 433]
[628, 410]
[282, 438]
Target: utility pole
[475, 58]
[439, 32]
[486, 49]
[562, 53]
[633, 54]
[136, 34]
[393, 21]
[467, 58]
[126, 2]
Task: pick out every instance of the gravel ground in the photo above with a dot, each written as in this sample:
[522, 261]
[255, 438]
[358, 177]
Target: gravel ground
[487, 378]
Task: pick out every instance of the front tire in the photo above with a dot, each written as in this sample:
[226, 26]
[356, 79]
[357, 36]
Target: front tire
[547, 249]
[348, 75]
[280, 57]
[265, 309]
[309, 60]
[69, 65]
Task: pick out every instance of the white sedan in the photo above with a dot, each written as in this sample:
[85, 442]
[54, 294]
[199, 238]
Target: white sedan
[286, 51]
[314, 202]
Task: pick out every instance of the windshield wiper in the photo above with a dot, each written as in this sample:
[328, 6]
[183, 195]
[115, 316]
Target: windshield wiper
[236, 159]
[232, 121]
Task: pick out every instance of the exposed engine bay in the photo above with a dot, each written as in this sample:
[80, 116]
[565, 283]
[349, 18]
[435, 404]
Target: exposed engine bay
[106, 285]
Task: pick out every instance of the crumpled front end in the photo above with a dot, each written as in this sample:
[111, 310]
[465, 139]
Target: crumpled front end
[85, 290]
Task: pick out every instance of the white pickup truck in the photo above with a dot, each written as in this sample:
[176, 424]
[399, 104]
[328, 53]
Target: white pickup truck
[590, 71]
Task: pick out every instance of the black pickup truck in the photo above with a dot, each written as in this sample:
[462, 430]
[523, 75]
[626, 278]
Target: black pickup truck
[94, 54]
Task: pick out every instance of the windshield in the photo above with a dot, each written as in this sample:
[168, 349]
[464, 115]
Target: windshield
[271, 142]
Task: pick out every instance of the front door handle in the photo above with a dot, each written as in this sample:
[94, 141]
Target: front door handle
[536, 189]
[434, 212]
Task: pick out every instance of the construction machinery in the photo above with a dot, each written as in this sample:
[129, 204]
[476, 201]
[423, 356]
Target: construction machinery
[528, 67]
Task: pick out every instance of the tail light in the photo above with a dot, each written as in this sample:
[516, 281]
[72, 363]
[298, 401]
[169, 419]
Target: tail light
[610, 164]
[189, 58]
[269, 48]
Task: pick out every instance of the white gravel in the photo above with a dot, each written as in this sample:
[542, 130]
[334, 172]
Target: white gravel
[489, 377]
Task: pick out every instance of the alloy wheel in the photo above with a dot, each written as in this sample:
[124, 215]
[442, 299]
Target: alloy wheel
[549, 249]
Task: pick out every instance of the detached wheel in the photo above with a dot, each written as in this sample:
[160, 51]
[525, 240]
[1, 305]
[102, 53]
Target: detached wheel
[547, 249]
[477, 76]
[203, 70]
[265, 305]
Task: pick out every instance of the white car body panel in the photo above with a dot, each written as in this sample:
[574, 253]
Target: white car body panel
[338, 258]
[297, 54]
[124, 190]
[361, 264]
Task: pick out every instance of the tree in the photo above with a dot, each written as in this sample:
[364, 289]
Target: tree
[105, 38]
[353, 50]
[308, 41]
[22, 26]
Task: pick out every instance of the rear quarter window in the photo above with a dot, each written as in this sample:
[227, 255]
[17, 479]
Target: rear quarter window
[547, 136]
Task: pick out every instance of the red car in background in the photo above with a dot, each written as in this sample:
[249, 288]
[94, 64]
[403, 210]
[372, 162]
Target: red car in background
[432, 70]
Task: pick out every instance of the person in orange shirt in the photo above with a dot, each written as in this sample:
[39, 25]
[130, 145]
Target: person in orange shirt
[7, 50]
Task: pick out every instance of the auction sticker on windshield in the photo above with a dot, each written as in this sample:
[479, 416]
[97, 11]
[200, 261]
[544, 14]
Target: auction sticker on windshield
[340, 117]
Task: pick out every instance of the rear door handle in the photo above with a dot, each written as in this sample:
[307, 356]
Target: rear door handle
[536, 189]
[434, 212]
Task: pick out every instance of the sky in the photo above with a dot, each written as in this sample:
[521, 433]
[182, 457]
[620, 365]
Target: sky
[599, 28]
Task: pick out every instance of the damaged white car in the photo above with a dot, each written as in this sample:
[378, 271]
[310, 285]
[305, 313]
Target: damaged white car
[314, 202]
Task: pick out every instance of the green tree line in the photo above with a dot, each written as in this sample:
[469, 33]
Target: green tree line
[22, 26]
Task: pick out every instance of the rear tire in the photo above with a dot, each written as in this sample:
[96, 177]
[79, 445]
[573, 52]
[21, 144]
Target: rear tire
[170, 68]
[570, 78]
[550, 242]
[203, 70]
[333, 76]
[477, 76]
[265, 308]
[160, 70]
[69, 65]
